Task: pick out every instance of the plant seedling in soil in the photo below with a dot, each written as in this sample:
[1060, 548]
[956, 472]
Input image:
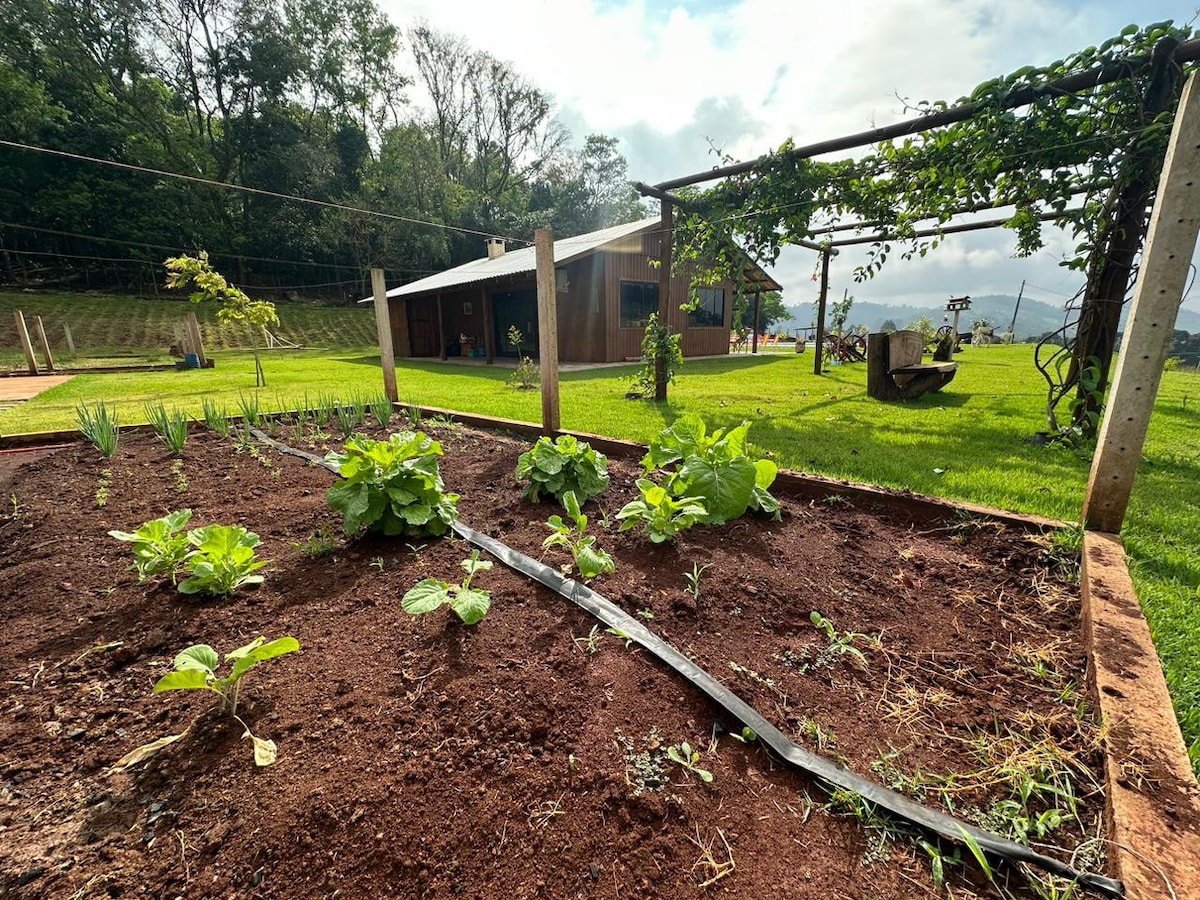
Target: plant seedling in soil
[663, 515]
[840, 644]
[350, 415]
[566, 465]
[223, 561]
[392, 486]
[589, 559]
[159, 546]
[684, 755]
[693, 581]
[216, 417]
[382, 410]
[469, 604]
[747, 735]
[171, 427]
[99, 425]
[102, 489]
[714, 467]
[181, 482]
[196, 669]
[249, 407]
[320, 543]
[378, 563]
[591, 642]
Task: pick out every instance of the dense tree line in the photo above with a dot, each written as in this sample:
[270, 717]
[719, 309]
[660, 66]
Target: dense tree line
[296, 97]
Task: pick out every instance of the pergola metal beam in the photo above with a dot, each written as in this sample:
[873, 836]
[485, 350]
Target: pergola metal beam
[947, 229]
[1189, 51]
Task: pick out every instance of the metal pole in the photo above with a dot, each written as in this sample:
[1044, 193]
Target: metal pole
[1012, 329]
[820, 338]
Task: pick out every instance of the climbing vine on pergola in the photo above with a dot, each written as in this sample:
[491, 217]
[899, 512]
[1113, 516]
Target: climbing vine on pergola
[1082, 139]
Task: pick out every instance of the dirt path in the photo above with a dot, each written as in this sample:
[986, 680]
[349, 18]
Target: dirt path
[19, 388]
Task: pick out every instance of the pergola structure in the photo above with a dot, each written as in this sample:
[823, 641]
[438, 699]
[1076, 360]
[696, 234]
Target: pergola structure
[1174, 223]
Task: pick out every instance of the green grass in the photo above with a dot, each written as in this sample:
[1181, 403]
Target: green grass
[111, 330]
[968, 442]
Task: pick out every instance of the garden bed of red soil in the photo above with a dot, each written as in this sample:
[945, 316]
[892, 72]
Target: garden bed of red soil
[524, 756]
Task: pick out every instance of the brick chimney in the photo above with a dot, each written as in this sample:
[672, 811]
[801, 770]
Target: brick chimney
[495, 248]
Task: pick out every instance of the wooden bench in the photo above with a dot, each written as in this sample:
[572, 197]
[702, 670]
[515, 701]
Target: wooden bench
[895, 370]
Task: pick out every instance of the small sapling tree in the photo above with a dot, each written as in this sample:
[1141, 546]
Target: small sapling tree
[207, 284]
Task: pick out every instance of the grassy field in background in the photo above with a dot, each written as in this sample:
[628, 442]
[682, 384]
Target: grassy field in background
[108, 330]
[968, 442]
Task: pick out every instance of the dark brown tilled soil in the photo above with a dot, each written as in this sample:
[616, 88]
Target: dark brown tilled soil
[525, 756]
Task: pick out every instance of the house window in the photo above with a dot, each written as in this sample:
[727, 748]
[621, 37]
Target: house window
[638, 300]
[710, 311]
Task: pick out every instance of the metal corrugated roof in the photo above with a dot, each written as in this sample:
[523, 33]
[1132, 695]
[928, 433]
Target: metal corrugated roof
[514, 262]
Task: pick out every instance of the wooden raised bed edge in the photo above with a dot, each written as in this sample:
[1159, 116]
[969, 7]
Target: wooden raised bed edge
[1154, 839]
[1154, 832]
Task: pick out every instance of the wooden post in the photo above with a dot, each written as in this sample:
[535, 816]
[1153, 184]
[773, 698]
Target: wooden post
[193, 329]
[489, 324]
[754, 326]
[437, 298]
[40, 330]
[1174, 224]
[70, 340]
[26, 345]
[547, 304]
[383, 324]
[665, 239]
[820, 338]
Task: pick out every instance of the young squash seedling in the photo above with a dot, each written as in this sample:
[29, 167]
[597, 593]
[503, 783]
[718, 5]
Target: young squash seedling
[196, 669]
[840, 643]
[589, 559]
[684, 755]
[159, 546]
[469, 604]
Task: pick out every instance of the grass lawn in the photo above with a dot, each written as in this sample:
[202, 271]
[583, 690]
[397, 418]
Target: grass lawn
[968, 442]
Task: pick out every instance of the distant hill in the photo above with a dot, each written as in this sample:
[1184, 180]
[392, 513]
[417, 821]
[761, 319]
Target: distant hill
[1034, 318]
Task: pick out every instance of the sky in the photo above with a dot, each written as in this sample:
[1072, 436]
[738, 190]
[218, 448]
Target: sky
[673, 79]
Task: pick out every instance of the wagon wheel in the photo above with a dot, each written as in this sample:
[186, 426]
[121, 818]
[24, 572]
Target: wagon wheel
[942, 332]
[858, 348]
[835, 347]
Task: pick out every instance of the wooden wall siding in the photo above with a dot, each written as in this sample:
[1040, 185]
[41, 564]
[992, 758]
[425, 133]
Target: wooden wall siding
[421, 315]
[398, 317]
[581, 333]
[630, 261]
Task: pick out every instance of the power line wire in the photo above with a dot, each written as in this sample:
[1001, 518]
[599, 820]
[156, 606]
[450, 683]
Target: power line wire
[252, 190]
[230, 253]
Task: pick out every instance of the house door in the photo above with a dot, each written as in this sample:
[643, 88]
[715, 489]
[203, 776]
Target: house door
[515, 308]
[422, 326]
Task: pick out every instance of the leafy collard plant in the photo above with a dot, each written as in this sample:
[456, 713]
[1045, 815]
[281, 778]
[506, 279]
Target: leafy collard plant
[393, 486]
[589, 559]
[159, 546]
[663, 515]
[566, 464]
[196, 669]
[469, 604]
[715, 468]
[223, 560]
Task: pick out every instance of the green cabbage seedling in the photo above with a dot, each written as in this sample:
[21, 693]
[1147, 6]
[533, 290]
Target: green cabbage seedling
[223, 560]
[470, 604]
[158, 546]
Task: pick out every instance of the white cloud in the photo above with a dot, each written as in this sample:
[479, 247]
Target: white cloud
[667, 78]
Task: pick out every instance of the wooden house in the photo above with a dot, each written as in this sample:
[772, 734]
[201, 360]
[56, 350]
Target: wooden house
[606, 290]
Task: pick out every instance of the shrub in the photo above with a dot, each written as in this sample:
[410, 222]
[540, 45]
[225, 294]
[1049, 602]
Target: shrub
[393, 486]
[567, 464]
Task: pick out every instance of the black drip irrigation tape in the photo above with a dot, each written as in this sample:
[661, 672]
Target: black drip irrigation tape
[630, 628]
